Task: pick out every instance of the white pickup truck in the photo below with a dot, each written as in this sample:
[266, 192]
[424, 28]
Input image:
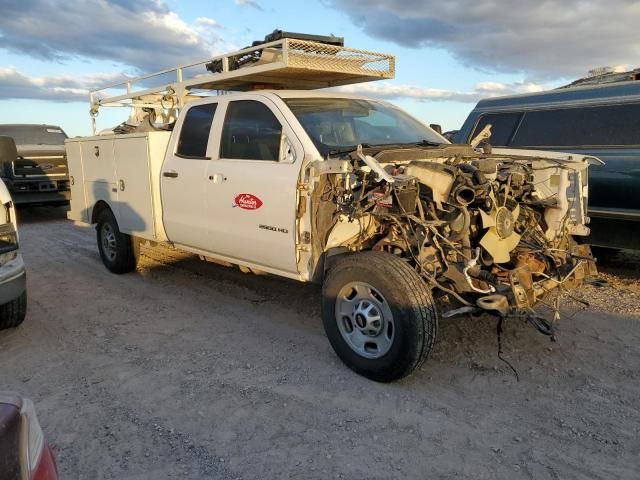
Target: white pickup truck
[350, 192]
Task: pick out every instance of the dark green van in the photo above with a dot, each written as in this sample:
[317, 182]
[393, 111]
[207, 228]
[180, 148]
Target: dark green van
[587, 117]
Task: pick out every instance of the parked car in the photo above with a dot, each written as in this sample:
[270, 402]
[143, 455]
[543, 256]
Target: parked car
[24, 452]
[37, 173]
[13, 283]
[596, 116]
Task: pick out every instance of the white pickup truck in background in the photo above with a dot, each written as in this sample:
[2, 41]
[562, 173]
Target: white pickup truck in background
[348, 191]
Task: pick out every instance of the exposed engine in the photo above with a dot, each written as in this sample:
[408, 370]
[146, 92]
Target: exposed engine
[494, 231]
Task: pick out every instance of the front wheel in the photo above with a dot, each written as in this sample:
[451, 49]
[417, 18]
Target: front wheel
[379, 315]
[116, 249]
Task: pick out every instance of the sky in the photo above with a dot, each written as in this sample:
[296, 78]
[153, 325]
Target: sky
[449, 54]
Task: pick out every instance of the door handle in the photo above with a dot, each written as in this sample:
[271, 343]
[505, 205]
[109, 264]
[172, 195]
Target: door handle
[217, 178]
[170, 174]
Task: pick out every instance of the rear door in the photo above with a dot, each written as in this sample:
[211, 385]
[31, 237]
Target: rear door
[183, 177]
[252, 185]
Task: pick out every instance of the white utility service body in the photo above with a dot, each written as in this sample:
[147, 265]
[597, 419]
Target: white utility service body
[203, 208]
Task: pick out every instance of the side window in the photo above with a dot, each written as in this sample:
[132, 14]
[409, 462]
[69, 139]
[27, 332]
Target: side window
[250, 132]
[581, 126]
[502, 127]
[194, 135]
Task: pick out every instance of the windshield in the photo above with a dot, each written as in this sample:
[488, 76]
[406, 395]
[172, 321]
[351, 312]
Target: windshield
[34, 134]
[337, 124]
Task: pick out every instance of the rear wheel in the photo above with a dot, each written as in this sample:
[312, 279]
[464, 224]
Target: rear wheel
[12, 313]
[379, 315]
[116, 249]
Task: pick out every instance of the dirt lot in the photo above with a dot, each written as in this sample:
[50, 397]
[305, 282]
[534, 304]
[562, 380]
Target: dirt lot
[189, 370]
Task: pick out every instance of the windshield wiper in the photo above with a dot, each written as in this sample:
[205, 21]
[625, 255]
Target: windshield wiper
[351, 148]
[382, 146]
[422, 143]
[429, 143]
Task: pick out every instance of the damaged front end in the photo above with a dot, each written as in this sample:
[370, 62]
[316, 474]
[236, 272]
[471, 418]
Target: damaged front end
[492, 230]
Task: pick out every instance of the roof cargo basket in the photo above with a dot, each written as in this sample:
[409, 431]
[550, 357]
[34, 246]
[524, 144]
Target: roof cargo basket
[284, 60]
[292, 62]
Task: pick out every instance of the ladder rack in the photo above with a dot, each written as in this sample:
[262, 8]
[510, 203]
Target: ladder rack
[287, 63]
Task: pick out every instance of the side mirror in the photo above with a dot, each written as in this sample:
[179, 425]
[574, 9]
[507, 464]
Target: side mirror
[436, 127]
[287, 153]
[8, 150]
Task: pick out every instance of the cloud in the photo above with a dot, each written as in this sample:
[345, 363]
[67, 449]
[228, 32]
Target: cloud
[390, 91]
[61, 88]
[144, 34]
[249, 3]
[206, 21]
[64, 88]
[553, 38]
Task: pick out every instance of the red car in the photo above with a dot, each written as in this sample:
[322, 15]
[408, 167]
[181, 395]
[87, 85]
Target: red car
[24, 452]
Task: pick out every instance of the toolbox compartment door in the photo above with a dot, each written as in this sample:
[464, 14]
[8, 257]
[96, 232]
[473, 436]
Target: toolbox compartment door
[78, 211]
[134, 203]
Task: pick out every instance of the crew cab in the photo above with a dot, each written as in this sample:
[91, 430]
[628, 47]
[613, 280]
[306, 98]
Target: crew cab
[38, 174]
[348, 191]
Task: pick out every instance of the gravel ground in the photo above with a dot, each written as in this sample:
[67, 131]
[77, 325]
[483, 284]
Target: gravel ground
[185, 369]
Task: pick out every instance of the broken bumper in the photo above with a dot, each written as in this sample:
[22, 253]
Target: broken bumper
[525, 288]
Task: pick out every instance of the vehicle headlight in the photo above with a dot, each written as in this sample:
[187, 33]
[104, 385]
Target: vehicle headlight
[5, 215]
[8, 243]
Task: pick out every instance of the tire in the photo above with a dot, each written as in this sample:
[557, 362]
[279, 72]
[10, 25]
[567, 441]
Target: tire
[116, 249]
[12, 313]
[383, 289]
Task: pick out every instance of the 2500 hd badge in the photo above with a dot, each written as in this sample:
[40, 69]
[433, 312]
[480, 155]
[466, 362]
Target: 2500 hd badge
[273, 229]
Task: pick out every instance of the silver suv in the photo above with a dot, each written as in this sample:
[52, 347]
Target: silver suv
[13, 278]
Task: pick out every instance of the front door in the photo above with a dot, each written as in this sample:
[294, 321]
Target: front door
[183, 177]
[252, 181]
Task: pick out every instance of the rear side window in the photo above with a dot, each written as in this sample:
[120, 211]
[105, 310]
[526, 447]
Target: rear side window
[250, 132]
[608, 125]
[502, 127]
[194, 135]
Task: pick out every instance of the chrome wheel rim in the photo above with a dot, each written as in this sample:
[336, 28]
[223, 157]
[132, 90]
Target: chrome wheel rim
[108, 238]
[364, 320]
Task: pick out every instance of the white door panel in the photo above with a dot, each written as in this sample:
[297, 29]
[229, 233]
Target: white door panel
[183, 200]
[252, 211]
[251, 204]
[183, 178]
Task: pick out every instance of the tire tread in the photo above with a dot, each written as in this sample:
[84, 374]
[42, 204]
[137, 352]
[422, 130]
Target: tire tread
[125, 260]
[14, 312]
